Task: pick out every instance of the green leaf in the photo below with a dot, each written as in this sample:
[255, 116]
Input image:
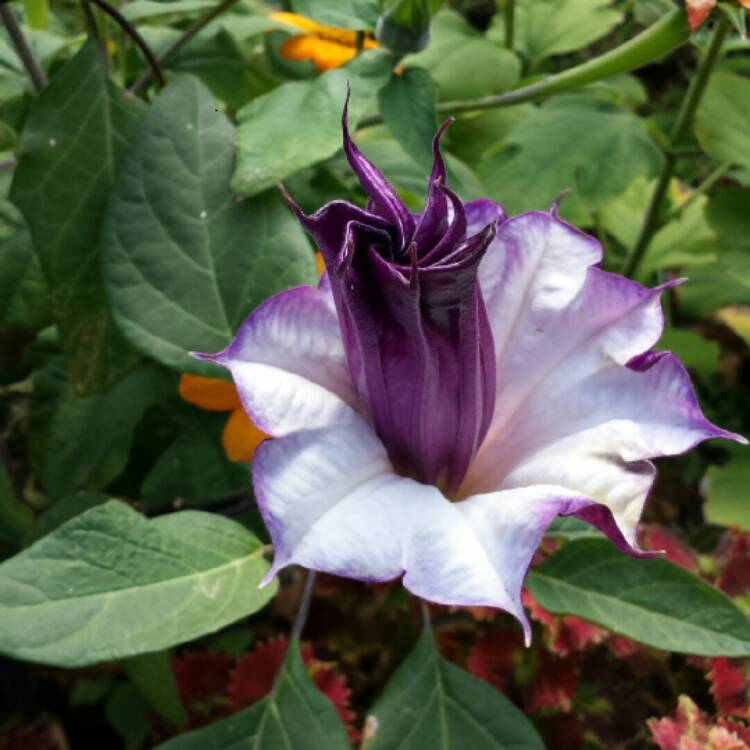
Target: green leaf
[696, 352]
[722, 121]
[463, 62]
[727, 213]
[651, 601]
[295, 715]
[111, 583]
[185, 262]
[84, 441]
[570, 527]
[348, 14]
[726, 492]
[194, 466]
[24, 295]
[407, 104]
[545, 154]
[71, 146]
[553, 27]
[62, 511]
[299, 123]
[127, 711]
[152, 675]
[431, 703]
[737, 317]
[138, 10]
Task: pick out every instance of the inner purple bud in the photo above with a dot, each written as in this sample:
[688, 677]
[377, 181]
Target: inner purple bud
[418, 343]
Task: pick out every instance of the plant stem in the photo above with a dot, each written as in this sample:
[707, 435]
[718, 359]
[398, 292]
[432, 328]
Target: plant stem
[36, 74]
[658, 40]
[186, 36]
[93, 30]
[133, 33]
[509, 12]
[680, 128]
[426, 619]
[304, 606]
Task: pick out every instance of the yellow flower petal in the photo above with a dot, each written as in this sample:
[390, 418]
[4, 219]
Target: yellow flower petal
[324, 53]
[211, 394]
[241, 437]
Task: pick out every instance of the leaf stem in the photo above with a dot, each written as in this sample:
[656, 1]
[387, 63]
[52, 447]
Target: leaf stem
[304, 606]
[656, 41]
[36, 74]
[509, 13]
[186, 36]
[134, 34]
[682, 125]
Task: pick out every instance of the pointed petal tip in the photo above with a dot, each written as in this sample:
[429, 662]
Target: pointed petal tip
[555, 207]
[203, 356]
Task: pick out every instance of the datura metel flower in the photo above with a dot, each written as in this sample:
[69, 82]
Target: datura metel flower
[457, 380]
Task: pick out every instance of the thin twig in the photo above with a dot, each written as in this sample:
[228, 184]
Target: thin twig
[133, 33]
[36, 74]
[681, 126]
[93, 29]
[186, 36]
[303, 608]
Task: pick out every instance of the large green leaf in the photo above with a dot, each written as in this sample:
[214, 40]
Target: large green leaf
[463, 62]
[185, 261]
[299, 123]
[652, 601]
[431, 703]
[138, 10]
[71, 147]
[722, 122]
[552, 27]
[545, 154]
[295, 716]
[407, 104]
[84, 441]
[110, 583]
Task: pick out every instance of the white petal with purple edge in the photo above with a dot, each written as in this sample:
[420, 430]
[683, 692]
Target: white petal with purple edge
[288, 363]
[332, 503]
[569, 410]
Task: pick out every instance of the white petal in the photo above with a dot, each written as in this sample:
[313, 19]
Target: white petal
[332, 503]
[289, 365]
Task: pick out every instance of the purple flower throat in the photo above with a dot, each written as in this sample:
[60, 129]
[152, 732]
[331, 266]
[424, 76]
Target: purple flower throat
[417, 339]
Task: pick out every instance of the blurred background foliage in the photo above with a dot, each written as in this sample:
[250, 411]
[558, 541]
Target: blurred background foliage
[139, 220]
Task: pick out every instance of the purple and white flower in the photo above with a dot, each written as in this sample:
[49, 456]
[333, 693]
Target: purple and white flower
[457, 380]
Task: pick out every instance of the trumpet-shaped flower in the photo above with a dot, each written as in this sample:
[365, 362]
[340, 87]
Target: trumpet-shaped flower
[456, 381]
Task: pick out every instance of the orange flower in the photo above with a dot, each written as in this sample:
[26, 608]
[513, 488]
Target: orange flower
[698, 10]
[240, 437]
[326, 46]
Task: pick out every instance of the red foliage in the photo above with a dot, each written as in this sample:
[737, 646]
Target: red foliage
[692, 729]
[254, 673]
[201, 678]
[564, 635]
[553, 687]
[492, 656]
[658, 538]
[729, 686]
[734, 578]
